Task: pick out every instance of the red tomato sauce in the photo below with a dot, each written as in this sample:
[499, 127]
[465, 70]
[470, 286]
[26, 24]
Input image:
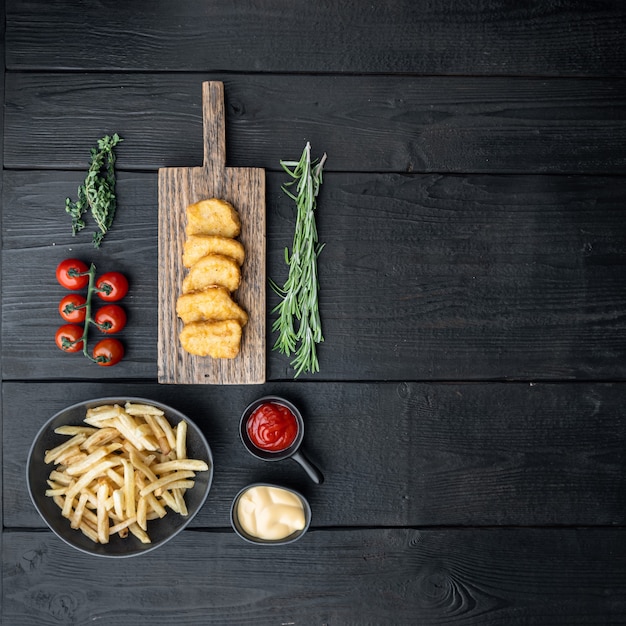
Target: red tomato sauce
[272, 427]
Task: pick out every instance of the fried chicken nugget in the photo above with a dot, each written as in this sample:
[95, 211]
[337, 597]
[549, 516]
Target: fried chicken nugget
[220, 340]
[213, 217]
[212, 303]
[197, 246]
[212, 269]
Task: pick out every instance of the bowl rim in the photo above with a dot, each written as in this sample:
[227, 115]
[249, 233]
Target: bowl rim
[120, 399]
[295, 536]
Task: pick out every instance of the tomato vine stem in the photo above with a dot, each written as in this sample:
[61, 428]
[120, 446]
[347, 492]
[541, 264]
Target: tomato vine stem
[88, 320]
[91, 289]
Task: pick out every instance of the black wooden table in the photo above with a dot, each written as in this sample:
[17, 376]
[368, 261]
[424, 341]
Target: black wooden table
[468, 411]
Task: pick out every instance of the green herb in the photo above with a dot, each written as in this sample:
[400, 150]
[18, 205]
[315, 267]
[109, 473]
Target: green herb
[298, 324]
[97, 193]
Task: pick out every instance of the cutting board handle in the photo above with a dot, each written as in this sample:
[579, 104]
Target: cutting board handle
[214, 124]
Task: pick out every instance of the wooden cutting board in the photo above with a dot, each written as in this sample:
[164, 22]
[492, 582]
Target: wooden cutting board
[244, 188]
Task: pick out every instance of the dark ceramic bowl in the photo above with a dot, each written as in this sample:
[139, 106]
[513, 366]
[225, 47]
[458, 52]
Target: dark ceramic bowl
[294, 451]
[160, 530]
[269, 542]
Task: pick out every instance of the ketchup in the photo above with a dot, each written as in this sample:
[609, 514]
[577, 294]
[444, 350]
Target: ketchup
[272, 427]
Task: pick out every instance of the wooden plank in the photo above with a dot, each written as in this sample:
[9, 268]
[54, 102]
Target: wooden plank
[364, 123]
[367, 576]
[2, 73]
[244, 188]
[408, 454]
[494, 277]
[577, 38]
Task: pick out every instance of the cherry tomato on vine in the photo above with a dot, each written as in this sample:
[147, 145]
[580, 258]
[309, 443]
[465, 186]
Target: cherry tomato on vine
[72, 308]
[69, 338]
[110, 318]
[112, 286]
[108, 351]
[72, 274]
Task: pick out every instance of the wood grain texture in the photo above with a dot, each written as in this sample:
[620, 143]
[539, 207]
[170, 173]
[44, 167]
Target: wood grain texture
[493, 276]
[408, 454]
[2, 66]
[244, 188]
[468, 416]
[366, 576]
[364, 123]
[576, 38]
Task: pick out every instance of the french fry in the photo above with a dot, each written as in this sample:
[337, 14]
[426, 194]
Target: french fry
[181, 440]
[155, 506]
[129, 488]
[141, 534]
[60, 478]
[71, 455]
[89, 476]
[89, 531]
[180, 484]
[77, 516]
[158, 433]
[138, 464]
[142, 510]
[122, 470]
[115, 477]
[100, 437]
[165, 480]
[170, 500]
[142, 409]
[103, 518]
[68, 504]
[52, 455]
[82, 466]
[118, 528]
[194, 465]
[118, 503]
[180, 501]
[100, 414]
[75, 430]
[167, 430]
[128, 431]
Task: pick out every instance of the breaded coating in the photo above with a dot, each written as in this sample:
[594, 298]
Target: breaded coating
[212, 269]
[213, 217]
[213, 303]
[197, 246]
[220, 340]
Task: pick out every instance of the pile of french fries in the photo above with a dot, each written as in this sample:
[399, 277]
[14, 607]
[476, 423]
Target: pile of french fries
[127, 466]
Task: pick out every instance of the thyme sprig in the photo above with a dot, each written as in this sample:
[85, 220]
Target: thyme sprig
[298, 323]
[97, 193]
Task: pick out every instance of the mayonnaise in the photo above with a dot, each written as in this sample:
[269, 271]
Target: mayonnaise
[270, 513]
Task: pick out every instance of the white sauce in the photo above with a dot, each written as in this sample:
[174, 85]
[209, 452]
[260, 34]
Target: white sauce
[270, 513]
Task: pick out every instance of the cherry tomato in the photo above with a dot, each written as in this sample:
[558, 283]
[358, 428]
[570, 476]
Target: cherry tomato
[110, 318]
[69, 338]
[112, 286]
[72, 274]
[108, 351]
[72, 308]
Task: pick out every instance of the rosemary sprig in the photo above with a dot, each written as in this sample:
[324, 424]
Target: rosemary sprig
[298, 323]
[97, 193]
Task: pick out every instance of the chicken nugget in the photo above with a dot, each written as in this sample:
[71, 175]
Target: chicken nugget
[212, 303]
[197, 246]
[220, 340]
[212, 269]
[213, 217]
